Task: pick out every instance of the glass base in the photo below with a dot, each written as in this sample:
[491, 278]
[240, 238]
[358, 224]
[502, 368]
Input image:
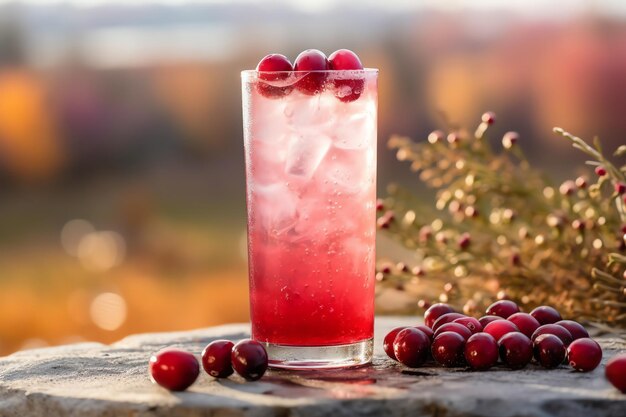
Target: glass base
[320, 357]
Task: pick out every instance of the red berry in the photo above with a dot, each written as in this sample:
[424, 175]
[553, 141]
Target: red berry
[388, 342]
[488, 117]
[464, 241]
[502, 308]
[411, 347]
[526, 323]
[174, 369]
[471, 323]
[499, 328]
[485, 320]
[584, 354]
[448, 349]
[216, 358]
[274, 68]
[560, 332]
[546, 315]
[481, 351]
[249, 359]
[615, 371]
[600, 171]
[446, 318]
[549, 350]
[516, 350]
[427, 331]
[576, 329]
[314, 61]
[454, 327]
[620, 188]
[346, 89]
[434, 312]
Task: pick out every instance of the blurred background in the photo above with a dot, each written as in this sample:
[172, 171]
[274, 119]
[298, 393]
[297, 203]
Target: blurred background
[122, 205]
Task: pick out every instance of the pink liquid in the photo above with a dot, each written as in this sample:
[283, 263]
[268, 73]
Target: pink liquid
[311, 174]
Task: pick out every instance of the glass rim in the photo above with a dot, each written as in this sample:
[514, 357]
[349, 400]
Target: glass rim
[255, 73]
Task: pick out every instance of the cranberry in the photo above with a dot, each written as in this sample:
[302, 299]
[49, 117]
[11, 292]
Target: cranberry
[546, 315]
[600, 171]
[548, 350]
[216, 358]
[526, 323]
[388, 342]
[249, 359]
[516, 350]
[481, 351]
[620, 188]
[576, 329]
[350, 89]
[454, 327]
[446, 318]
[499, 328]
[274, 68]
[427, 331]
[471, 323]
[314, 62]
[488, 117]
[448, 349]
[615, 371]
[503, 308]
[434, 312]
[485, 320]
[584, 354]
[174, 369]
[560, 332]
[411, 347]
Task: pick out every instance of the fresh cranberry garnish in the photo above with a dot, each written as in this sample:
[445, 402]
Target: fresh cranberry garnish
[548, 350]
[272, 68]
[348, 89]
[615, 371]
[576, 329]
[427, 331]
[560, 332]
[471, 323]
[546, 315]
[434, 312]
[174, 369]
[526, 323]
[388, 342]
[446, 318]
[503, 308]
[448, 349]
[216, 358]
[316, 62]
[584, 354]
[249, 359]
[499, 328]
[411, 347]
[454, 327]
[516, 350]
[485, 320]
[481, 351]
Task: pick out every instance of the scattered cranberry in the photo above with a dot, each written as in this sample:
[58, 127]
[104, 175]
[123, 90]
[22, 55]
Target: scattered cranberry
[427, 331]
[274, 67]
[388, 342]
[448, 349]
[560, 332]
[380, 205]
[411, 347]
[471, 323]
[346, 90]
[584, 354]
[454, 327]
[464, 241]
[576, 329]
[549, 350]
[499, 328]
[516, 350]
[216, 358]
[174, 369]
[434, 312]
[488, 117]
[502, 308]
[620, 188]
[446, 318]
[249, 359]
[481, 351]
[546, 315]
[314, 61]
[526, 323]
[485, 320]
[600, 171]
[615, 371]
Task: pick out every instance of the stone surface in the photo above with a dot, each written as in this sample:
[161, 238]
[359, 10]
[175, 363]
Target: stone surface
[92, 379]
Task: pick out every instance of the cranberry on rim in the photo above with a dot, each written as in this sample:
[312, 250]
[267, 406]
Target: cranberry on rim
[314, 61]
[274, 68]
[348, 89]
[174, 369]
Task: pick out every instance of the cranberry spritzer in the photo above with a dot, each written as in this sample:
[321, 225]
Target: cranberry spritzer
[310, 148]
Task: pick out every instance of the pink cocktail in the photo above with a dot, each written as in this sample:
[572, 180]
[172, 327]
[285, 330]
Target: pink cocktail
[311, 191]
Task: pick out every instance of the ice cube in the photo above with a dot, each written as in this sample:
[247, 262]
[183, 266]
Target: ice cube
[305, 152]
[275, 207]
[310, 112]
[349, 170]
[356, 131]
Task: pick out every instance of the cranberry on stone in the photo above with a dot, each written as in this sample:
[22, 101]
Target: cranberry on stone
[546, 315]
[249, 359]
[516, 350]
[448, 349]
[456, 328]
[174, 369]
[481, 351]
[427, 331]
[346, 89]
[388, 342]
[446, 318]
[274, 68]
[526, 323]
[485, 320]
[499, 328]
[315, 63]
[502, 308]
[584, 355]
[216, 358]
[576, 329]
[411, 347]
[560, 332]
[615, 371]
[434, 312]
[471, 323]
[548, 350]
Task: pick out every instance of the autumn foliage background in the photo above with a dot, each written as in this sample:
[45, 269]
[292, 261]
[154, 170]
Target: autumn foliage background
[122, 204]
